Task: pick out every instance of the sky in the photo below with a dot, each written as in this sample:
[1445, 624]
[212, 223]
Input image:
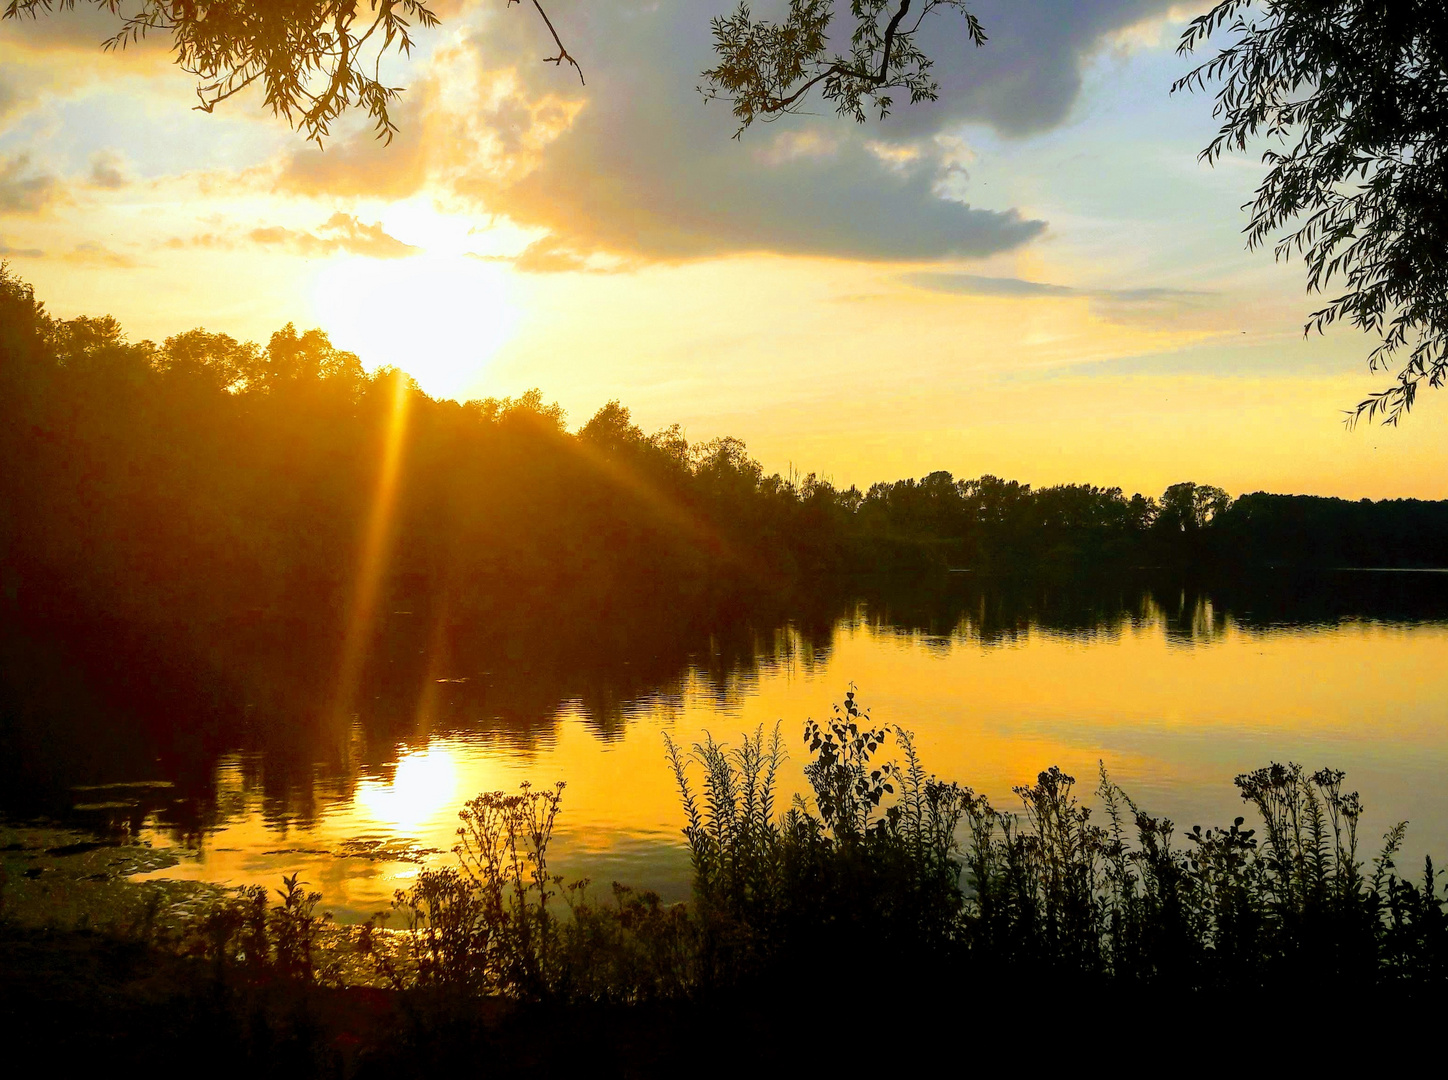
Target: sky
[1033, 277]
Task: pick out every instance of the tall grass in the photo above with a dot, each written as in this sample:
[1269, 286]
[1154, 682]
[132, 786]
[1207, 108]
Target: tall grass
[886, 857]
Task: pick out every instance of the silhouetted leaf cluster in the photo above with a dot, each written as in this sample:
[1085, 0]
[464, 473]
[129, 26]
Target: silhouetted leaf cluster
[1352, 99]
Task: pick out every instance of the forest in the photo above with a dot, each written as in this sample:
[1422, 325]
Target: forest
[202, 485]
[204, 482]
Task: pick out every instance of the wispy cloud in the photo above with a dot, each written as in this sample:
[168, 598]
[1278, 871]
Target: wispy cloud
[1152, 306]
[8, 252]
[94, 253]
[976, 285]
[340, 233]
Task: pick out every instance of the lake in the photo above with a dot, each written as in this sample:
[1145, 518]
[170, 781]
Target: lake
[1175, 689]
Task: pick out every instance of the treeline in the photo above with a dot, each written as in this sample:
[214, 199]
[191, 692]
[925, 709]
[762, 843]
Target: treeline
[1003, 525]
[203, 488]
[203, 481]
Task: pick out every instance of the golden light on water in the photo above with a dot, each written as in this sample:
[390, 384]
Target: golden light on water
[425, 786]
[1173, 722]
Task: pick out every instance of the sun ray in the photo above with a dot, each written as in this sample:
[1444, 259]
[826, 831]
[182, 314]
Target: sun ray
[376, 540]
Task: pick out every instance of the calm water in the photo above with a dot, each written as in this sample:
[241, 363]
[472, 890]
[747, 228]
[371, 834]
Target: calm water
[1175, 692]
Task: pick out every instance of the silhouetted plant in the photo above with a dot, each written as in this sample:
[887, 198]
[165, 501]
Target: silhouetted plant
[485, 926]
[873, 860]
[637, 949]
[245, 934]
[294, 929]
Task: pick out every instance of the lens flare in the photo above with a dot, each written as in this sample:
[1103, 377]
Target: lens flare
[372, 560]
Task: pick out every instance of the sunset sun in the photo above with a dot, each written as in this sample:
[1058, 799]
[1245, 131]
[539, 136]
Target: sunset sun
[440, 318]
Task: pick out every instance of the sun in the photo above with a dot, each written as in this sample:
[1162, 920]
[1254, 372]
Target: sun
[438, 317]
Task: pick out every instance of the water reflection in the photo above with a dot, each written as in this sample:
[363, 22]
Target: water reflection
[424, 783]
[1176, 687]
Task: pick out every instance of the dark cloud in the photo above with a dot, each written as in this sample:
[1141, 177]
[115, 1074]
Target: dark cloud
[22, 189]
[84, 27]
[341, 232]
[637, 165]
[1028, 75]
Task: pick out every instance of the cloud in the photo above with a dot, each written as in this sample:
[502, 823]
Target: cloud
[212, 240]
[83, 28]
[975, 285]
[94, 253]
[1028, 75]
[638, 166]
[22, 190]
[108, 170]
[1150, 306]
[340, 233]
[11, 98]
[8, 252]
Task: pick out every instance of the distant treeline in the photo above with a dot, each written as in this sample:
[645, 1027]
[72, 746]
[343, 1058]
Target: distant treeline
[205, 484]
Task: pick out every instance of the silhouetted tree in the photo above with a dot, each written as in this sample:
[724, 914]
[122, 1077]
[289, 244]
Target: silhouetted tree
[314, 59]
[767, 69]
[1355, 98]
[1187, 507]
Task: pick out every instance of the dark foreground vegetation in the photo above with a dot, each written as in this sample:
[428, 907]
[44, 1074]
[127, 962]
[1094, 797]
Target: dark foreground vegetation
[887, 893]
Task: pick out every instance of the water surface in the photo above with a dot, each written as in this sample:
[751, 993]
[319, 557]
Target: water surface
[1176, 692]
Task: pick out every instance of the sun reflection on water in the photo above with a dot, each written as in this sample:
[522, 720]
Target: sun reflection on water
[424, 788]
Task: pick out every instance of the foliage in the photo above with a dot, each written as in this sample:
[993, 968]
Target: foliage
[940, 876]
[192, 514]
[280, 940]
[313, 59]
[490, 926]
[887, 871]
[767, 69]
[485, 926]
[1354, 97]
[802, 890]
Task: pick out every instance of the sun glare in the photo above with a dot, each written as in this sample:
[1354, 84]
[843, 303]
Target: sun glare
[424, 786]
[440, 318]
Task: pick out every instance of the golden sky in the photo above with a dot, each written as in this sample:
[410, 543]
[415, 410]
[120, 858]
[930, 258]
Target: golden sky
[1033, 278]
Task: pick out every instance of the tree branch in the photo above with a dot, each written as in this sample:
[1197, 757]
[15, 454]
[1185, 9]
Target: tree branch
[563, 53]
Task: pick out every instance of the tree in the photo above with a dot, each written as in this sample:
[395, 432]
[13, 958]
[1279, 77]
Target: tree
[1187, 507]
[766, 69]
[1354, 96]
[315, 59]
